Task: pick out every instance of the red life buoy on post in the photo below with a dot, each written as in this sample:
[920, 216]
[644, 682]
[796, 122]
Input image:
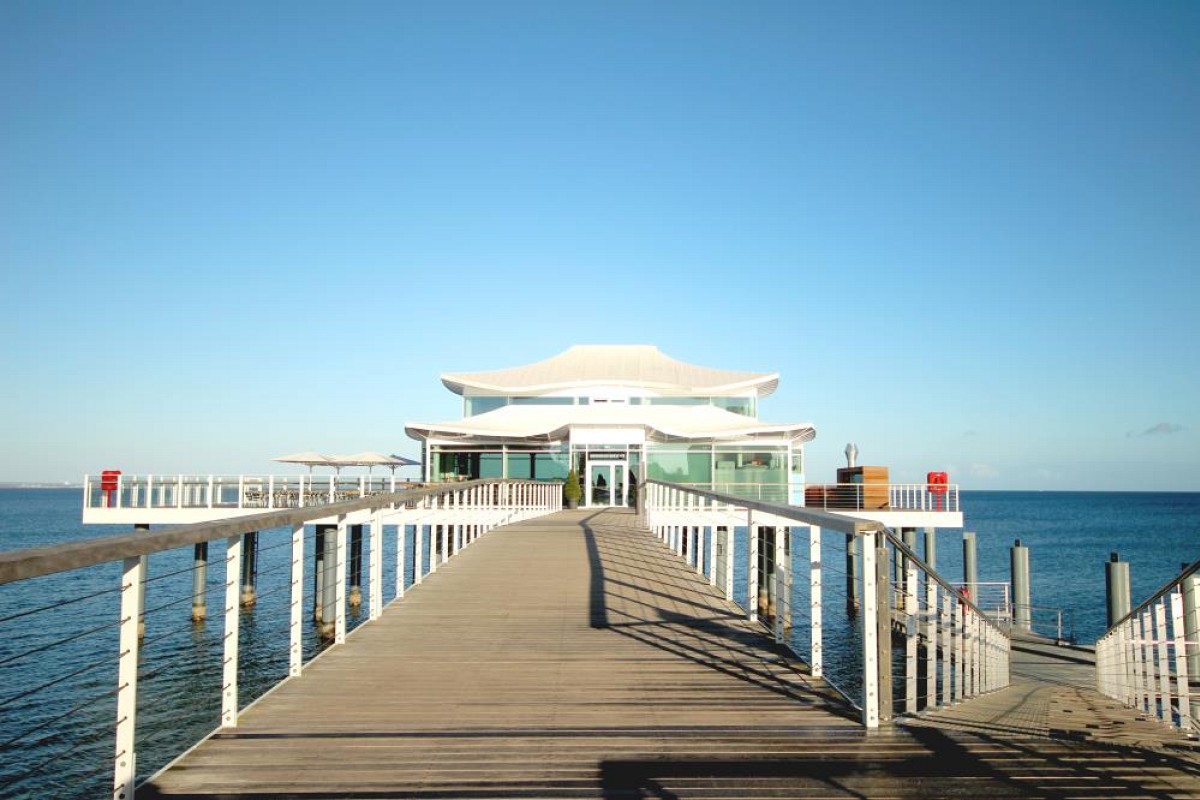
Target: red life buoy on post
[938, 483]
[110, 480]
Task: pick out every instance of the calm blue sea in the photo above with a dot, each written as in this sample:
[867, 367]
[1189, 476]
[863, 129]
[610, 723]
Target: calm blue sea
[63, 733]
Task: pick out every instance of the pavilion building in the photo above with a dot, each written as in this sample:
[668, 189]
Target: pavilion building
[618, 413]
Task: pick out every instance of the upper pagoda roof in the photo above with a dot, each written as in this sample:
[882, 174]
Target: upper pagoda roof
[635, 366]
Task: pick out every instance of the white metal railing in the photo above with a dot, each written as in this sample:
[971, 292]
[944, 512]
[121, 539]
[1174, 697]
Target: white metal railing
[1150, 659]
[300, 491]
[994, 598]
[952, 650]
[43, 723]
[882, 497]
[232, 491]
[843, 497]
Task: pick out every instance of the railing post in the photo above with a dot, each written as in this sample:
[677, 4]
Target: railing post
[870, 635]
[751, 568]
[712, 554]
[910, 642]
[960, 650]
[376, 565]
[883, 620]
[816, 637]
[1164, 669]
[445, 538]
[440, 504]
[401, 554]
[932, 608]
[946, 626]
[125, 753]
[694, 547]
[1137, 693]
[1148, 661]
[229, 677]
[1190, 586]
[968, 639]
[295, 631]
[419, 547]
[1181, 665]
[339, 619]
[783, 583]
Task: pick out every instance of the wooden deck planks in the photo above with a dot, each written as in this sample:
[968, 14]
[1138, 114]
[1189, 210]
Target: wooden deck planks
[573, 656]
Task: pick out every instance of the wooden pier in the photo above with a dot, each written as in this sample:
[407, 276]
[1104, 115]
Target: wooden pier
[574, 656]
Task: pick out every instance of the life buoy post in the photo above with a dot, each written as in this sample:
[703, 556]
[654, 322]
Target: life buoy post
[938, 483]
[110, 479]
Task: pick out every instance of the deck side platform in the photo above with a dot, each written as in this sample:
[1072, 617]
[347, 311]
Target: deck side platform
[573, 656]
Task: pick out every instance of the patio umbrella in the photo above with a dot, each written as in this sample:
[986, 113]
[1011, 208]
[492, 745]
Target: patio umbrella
[368, 458]
[401, 461]
[309, 458]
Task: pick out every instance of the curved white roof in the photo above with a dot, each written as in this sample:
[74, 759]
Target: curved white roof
[636, 366]
[552, 423]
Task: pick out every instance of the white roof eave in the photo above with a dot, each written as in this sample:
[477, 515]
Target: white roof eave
[554, 423]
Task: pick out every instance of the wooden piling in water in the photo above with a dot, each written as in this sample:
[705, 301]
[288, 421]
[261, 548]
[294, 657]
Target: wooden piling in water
[1019, 560]
[970, 563]
[852, 574]
[200, 582]
[323, 532]
[354, 599]
[142, 586]
[329, 589]
[249, 593]
[1116, 584]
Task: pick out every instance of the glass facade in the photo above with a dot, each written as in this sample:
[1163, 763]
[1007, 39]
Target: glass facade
[526, 463]
[753, 470]
[686, 464]
[481, 404]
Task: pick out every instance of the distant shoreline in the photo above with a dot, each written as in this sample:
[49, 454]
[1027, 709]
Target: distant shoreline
[41, 485]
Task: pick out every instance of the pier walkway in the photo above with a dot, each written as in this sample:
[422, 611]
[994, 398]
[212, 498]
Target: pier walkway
[574, 656]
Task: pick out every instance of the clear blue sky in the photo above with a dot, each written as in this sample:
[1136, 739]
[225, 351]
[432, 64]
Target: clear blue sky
[966, 234]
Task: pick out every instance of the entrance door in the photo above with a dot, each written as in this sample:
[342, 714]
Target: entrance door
[606, 484]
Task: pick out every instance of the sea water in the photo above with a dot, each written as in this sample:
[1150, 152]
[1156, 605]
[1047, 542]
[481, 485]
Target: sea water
[1069, 534]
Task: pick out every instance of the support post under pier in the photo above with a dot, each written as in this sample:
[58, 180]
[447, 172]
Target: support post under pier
[199, 582]
[356, 551]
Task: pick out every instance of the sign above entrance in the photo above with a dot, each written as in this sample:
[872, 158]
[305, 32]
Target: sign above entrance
[583, 435]
[606, 455]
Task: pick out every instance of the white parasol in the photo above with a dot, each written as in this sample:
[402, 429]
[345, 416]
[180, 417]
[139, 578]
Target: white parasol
[369, 459]
[309, 458]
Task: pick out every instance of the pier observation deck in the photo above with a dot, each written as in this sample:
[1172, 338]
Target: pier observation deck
[575, 656]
